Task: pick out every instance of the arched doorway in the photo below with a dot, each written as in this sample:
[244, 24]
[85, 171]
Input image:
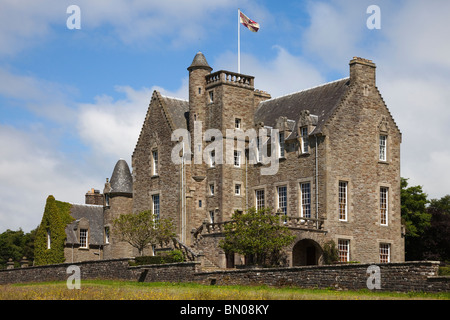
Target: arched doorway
[306, 252]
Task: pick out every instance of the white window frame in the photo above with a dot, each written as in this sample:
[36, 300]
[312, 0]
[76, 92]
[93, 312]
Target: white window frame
[237, 189]
[156, 206]
[211, 216]
[281, 148]
[237, 158]
[344, 250]
[211, 189]
[260, 200]
[384, 206]
[49, 239]
[385, 252]
[305, 199]
[343, 200]
[84, 234]
[383, 141]
[305, 139]
[107, 231]
[155, 162]
[282, 199]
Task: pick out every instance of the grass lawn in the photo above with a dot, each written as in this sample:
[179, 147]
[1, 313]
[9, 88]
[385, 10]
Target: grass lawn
[127, 290]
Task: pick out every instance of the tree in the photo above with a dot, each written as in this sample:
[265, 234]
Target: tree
[258, 235]
[415, 218]
[436, 238]
[143, 229]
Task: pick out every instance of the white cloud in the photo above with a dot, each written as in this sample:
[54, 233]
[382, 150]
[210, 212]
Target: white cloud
[30, 170]
[283, 74]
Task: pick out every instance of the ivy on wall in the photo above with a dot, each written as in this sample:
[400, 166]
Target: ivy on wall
[54, 221]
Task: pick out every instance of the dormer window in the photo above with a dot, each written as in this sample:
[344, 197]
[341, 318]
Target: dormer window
[83, 238]
[281, 145]
[304, 139]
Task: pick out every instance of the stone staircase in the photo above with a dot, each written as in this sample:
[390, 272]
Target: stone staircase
[192, 255]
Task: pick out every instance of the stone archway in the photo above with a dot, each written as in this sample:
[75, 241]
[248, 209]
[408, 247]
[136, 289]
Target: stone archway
[306, 252]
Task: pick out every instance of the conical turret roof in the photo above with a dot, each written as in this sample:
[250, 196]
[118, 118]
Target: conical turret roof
[121, 180]
[199, 62]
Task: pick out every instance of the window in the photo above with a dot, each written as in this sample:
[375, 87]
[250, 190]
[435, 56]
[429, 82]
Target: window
[281, 145]
[305, 139]
[344, 250]
[385, 252]
[237, 158]
[342, 201]
[106, 234]
[155, 162]
[49, 240]
[383, 146]
[211, 189]
[237, 123]
[282, 199]
[199, 203]
[259, 147]
[384, 206]
[211, 96]
[237, 189]
[305, 197]
[212, 159]
[83, 238]
[211, 216]
[155, 207]
[260, 203]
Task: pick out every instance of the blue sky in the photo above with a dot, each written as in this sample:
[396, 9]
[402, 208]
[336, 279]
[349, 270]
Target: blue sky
[72, 102]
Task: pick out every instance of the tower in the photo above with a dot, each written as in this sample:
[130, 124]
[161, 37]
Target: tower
[118, 193]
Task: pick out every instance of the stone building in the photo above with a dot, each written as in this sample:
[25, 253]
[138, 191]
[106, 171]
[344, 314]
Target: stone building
[326, 159]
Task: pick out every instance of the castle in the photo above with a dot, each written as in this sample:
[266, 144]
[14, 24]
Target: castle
[326, 159]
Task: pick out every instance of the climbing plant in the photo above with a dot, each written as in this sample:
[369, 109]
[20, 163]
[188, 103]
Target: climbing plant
[54, 221]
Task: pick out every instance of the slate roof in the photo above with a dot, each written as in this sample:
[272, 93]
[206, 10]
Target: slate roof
[121, 180]
[199, 62]
[178, 110]
[92, 213]
[321, 101]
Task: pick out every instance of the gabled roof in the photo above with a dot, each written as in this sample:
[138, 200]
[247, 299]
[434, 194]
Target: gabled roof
[94, 215]
[177, 110]
[320, 101]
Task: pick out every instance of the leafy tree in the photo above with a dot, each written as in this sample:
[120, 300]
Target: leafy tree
[436, 238]
[258, 235]
[415, 218]
[330, 252]
[143, 229]
[15, 245]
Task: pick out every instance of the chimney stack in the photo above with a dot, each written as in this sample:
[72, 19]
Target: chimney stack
[362, 71]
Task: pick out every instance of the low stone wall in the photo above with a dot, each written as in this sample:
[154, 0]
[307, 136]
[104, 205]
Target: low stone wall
[403, 277]
[170, 272]
[96, 269]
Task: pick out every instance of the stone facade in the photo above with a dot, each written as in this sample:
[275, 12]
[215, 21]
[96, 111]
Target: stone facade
[336, 154]
[349, 185]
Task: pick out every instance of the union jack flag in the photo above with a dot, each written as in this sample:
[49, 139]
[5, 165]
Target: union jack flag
[249, 23]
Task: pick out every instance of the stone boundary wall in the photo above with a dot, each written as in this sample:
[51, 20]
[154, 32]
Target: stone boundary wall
[402, 277]
[95, 269]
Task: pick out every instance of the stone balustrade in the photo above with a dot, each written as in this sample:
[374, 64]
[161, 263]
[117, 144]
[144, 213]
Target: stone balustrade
[228, 77]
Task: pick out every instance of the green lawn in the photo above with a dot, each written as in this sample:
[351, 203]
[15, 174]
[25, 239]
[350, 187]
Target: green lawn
[127, 290]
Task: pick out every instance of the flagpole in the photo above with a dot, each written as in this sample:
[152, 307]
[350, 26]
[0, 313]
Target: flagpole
[239, 40]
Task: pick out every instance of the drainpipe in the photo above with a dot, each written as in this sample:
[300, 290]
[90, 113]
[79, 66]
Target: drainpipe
[317, 186]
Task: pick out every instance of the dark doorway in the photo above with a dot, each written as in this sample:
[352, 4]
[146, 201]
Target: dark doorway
[230, 259]
[306, 252]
